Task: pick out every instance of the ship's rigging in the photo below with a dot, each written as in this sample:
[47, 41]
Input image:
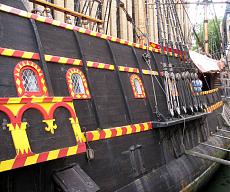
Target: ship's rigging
[178, 88]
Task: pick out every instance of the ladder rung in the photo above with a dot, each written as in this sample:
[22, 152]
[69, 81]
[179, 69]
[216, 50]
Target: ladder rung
[64, 10]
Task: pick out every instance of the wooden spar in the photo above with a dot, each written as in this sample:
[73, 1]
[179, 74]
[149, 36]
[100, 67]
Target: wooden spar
[216, 147]
[221, 136]
[224, 130]
[207, 157]
[205, 28]
[67, 11]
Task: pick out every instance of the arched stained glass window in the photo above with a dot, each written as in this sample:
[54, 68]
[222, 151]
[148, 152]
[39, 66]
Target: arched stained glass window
[77, 84]
[137, 86]
[29, 79]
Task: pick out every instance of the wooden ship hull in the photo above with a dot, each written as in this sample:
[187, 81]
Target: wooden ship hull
[105, 138]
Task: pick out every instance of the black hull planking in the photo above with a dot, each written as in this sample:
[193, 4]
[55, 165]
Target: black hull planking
[131, 152]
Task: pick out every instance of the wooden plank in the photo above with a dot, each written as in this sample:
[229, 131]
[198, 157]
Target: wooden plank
[65, 10]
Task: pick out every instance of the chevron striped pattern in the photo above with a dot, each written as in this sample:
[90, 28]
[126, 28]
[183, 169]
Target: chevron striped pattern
[70, 61]
[23, 160]
[63, 60]
[209, 91]
[18, 53]
[17, 100]
[117, 131]
[39, 18]
[100, 65]
[128, 69]
[35, 56]
[149, 72]
[215, 106]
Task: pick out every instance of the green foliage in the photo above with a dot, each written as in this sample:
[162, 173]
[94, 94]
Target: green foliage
[214, 38]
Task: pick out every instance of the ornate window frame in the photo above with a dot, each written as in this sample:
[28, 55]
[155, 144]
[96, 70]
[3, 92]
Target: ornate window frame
[22, 65]
[69, 81]
[135, 91]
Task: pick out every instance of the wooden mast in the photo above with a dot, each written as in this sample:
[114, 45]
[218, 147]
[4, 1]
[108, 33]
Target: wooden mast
[206, 27]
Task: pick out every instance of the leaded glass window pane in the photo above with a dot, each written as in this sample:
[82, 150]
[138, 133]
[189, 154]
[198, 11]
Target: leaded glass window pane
[29, 81]
[78, 86]
[137, 87]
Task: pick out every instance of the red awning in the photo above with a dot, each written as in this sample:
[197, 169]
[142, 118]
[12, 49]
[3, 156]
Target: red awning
[204, 63]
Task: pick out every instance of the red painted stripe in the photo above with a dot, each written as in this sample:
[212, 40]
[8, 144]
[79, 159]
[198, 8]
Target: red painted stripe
[18, 53]
[81, 148]
[76, 28]
[95, 64]
[66, 99]
[150, 125]
[89, 136]
[133, 128]
[4, 100]
[19, 162]
[63, 25]
[34, 16]
[114, 132]
[36, 56]
[106, 66]
[70, 61]
[102, 134]
[109, 37]
[62, 152]
[124, 130]
[47, 99]
[142, 127]
[26, 100]
[48, 20]
[1, 50]
[135, 70]
[98, 34]
[118, 40]
[88, 31]
[42, 157]
[55, 59]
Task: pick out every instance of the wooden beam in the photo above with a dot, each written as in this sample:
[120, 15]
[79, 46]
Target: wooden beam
[207, 157]
[65, 10]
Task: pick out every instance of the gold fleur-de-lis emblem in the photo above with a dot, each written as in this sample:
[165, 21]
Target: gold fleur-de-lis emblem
[51, 126]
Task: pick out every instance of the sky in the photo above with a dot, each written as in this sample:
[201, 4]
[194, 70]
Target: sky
[196, 12]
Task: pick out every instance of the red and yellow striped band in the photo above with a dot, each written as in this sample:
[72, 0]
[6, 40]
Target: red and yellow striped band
[100, 65]
[63, 60]
[22, 160]
[215, 106]
[149, 72]
[17, 100]
[117, 131]
[35, 56]
[39, 18]
[30, 159]
[70, 61]
[209, 91]
[18, 53]
[128, 69]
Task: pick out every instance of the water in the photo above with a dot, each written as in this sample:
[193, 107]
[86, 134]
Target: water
[220, 182]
